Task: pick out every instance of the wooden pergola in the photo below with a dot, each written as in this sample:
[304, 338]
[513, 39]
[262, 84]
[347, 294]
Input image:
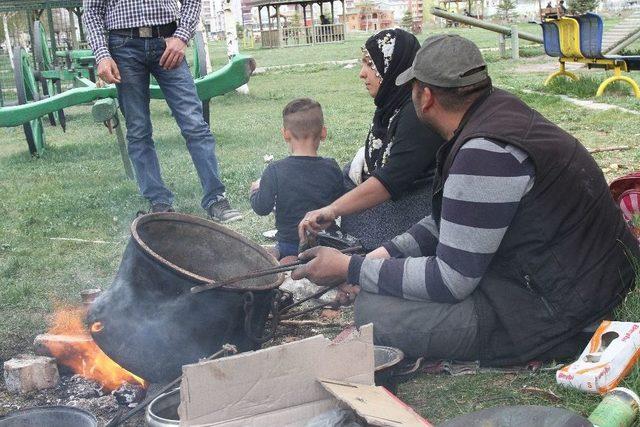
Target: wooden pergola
[278, 35]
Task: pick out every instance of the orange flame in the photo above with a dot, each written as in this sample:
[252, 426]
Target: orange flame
[81, 354]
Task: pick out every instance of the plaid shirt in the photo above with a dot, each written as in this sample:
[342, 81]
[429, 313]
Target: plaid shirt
[101, 16]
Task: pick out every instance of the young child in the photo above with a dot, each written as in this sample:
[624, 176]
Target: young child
[301, 182]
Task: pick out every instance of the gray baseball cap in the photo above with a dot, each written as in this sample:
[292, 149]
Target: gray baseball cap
[446, 60]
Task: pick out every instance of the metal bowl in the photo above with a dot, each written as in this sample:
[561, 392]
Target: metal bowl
[49, 416]
[163, 410]
[385, 361]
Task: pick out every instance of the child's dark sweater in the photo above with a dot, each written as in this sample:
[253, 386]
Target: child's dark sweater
[296, 185]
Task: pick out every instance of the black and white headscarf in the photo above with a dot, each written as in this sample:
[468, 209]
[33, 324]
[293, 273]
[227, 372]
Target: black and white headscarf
[389, 53]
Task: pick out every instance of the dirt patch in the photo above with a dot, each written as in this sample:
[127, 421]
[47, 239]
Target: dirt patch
[543, 65]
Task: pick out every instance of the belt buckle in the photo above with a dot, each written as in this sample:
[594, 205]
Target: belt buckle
[145, 32]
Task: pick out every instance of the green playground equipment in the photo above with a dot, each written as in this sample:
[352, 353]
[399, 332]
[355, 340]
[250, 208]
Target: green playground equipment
[40, 88]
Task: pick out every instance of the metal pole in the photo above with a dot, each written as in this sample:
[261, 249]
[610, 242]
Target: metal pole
[485, 25]
[78, 13]
[52, 31]
[30, 27]
[122, 146]
[515, 43]
[74, 36]
[624, 43]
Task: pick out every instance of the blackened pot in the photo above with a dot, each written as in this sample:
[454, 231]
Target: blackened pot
[150, 323]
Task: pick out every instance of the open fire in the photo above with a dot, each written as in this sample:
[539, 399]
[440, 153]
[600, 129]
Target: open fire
[83, 356]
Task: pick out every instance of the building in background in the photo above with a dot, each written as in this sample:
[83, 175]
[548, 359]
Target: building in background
[371, 17]
[212, 15]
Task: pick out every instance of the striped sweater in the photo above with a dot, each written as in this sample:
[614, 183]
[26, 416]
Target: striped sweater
[481, 195]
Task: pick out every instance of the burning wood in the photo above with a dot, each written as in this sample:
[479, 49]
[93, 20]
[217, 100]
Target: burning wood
[130, 394]
[70, 343]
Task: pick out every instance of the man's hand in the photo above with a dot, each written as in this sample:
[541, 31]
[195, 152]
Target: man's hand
[173, 53]
[347, 294]
[108, 71]
[255, 186]
[327, 266]
[316, 221]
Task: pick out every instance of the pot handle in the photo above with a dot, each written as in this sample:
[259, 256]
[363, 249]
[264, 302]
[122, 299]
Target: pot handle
[248, 317]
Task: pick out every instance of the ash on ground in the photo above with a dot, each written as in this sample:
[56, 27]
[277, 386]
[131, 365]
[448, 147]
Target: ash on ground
[73, 391]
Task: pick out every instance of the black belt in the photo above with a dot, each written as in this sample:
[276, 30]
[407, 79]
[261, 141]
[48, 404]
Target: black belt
[165, 30]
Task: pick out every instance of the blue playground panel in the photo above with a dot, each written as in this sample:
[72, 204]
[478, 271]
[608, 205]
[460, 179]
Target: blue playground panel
[551, 38]
[591, 29]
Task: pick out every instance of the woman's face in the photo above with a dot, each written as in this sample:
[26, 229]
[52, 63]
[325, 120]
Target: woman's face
[371, 80]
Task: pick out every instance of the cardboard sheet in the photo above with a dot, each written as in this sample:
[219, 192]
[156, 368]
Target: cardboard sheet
[377, 405]
[276, 386]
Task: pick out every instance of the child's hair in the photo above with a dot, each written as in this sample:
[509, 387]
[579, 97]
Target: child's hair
[303, 118]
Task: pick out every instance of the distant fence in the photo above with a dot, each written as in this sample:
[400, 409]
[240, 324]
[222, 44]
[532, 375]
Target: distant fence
[7, 82]
[298, 36]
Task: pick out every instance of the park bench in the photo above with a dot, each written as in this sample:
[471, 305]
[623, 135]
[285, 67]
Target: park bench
[579, 39]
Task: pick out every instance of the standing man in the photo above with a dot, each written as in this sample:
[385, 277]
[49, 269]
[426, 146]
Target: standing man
[132, 40]
[525, 247]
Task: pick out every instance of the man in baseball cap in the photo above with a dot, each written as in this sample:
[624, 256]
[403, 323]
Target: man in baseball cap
[525, 248]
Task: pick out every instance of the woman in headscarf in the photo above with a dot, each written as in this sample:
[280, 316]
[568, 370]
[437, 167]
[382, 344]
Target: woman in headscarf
[389, 181]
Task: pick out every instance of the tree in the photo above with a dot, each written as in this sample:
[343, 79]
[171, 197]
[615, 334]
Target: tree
[583, 6]
[16, 27]
[407, 20]
[506, 6]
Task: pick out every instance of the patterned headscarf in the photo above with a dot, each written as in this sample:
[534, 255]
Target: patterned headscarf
[389, 53]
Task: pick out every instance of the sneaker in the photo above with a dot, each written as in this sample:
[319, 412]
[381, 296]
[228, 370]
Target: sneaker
[222, 211]
[161, 207]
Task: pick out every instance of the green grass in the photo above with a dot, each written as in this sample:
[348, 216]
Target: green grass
[77, 189]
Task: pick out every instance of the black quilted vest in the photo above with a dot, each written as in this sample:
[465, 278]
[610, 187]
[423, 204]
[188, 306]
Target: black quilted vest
[564, 262]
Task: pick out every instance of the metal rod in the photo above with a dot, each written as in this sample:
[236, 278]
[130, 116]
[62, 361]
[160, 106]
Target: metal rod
[52, 34]
[308, 310]
[261, 273]
[611, 50]
[122, 146]
[484, 25]
[119, 419]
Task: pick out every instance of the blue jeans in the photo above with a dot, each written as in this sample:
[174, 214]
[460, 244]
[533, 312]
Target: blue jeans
[137, 59]
[286, 249]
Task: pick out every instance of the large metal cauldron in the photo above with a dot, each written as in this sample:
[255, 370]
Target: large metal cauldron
[150, 323]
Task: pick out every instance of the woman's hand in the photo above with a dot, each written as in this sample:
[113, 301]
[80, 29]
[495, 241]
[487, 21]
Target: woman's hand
[316, 221]
[357, 166]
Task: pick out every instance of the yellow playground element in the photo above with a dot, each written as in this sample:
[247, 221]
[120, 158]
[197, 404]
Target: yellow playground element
[579, 39]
